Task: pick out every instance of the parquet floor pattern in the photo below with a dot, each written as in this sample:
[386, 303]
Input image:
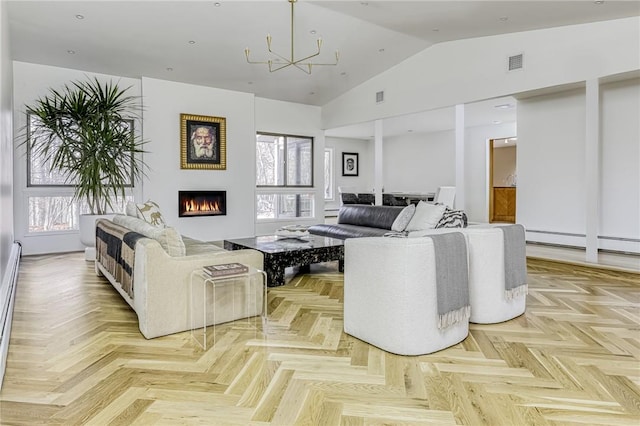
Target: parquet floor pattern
[76, 357]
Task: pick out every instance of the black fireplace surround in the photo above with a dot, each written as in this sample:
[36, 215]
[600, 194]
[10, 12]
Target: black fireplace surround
[202, 203]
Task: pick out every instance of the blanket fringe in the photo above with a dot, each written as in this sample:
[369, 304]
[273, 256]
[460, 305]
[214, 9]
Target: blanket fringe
[516, 292]
[452, 317]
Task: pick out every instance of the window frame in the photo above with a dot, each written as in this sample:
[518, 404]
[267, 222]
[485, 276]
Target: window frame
[284, 163]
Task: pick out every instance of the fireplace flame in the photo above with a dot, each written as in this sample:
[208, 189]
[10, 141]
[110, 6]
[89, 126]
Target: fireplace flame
[191, 206]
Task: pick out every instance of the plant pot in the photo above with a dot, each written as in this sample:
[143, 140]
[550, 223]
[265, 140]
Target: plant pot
[87, 225]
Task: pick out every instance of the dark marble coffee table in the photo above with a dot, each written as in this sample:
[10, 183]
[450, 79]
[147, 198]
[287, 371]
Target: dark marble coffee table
[280, 253]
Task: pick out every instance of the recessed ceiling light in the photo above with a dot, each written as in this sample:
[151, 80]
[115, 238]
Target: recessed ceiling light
[343, 73]
[410, 130]
[312, 32]
[497, 122]
[217, 4]
[504, 18]
[169, 69]
[192, 42]
[78, 16]
[504, 106]
[71, 52]
[599, 1]
[250, 82]
[381, 50]
[435, 30]
[312, 93]
[364, 3]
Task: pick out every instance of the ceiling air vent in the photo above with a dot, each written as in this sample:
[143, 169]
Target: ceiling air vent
[379, 97]
[515, 62]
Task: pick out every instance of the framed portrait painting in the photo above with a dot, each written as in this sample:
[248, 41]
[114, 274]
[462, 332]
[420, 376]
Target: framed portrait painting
[203, 142]
[349, 164]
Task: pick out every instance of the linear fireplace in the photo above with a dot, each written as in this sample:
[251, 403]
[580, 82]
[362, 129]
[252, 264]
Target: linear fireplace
[202, 203]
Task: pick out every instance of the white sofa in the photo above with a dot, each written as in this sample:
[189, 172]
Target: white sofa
[161, 282]
[390, 296]
[485, 245]
[390, 289]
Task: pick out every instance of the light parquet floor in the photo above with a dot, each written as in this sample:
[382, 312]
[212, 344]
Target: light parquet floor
[76, 357]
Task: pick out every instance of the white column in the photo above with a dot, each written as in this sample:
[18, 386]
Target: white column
[378, 177]
[592, 168]
[459, 202]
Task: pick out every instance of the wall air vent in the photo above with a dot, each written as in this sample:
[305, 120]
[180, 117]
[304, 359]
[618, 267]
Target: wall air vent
[379, 97]
[515, 62]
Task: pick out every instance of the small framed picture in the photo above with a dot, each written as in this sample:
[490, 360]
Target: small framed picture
[349, 164]
[203, 142]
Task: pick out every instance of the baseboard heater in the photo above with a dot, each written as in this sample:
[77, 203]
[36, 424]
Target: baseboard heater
[7, 300]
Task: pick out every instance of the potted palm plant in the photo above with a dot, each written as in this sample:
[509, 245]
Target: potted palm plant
[85, 131]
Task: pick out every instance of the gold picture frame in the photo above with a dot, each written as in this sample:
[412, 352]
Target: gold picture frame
[203, 142]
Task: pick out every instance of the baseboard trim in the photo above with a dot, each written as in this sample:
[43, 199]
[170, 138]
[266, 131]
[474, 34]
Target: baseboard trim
[9, 283]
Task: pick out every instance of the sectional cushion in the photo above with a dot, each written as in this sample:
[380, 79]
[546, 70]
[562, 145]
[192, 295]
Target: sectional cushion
[426, 216]
[403, 218]
[131, 209]
[168, 237]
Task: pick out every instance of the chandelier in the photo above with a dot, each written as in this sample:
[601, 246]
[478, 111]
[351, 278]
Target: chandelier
[281, 62]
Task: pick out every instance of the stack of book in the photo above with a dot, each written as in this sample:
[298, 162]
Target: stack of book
[225, 269]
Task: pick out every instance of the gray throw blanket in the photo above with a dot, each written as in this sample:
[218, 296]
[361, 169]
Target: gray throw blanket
[452, 278]
[515, 261]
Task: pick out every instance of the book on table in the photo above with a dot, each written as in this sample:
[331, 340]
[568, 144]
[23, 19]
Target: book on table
[225, 269]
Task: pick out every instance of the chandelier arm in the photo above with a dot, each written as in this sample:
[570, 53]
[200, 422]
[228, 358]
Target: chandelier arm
[302, 64]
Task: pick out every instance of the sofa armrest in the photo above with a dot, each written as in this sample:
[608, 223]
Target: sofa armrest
[161, 286]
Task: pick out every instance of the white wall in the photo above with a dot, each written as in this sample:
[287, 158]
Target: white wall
[620, 162]
[364, 180]
[419, 163]
[6, 143]
[30, 82]
[476, 160]
[293, 119]
[551, 167]
[164, 102]
[469, 70]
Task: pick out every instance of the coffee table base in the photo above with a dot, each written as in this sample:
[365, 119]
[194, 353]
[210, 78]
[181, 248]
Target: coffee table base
[275, 263]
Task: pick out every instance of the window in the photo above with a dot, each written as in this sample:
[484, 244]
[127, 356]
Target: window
[51, 207]
[328, 174]
[39, 171]
[284, 163]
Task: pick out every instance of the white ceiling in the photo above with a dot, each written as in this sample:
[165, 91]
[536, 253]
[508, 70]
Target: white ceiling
[151, 38]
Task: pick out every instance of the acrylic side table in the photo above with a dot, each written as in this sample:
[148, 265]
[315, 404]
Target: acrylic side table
[202, 283]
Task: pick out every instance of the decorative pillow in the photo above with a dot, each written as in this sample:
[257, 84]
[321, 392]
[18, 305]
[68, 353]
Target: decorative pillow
[131, 209]
[150, 213]
[403, 218]
[168, 237]
[453, 219]
[426, 216]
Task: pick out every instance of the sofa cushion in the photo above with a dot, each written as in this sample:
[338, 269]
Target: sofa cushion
[426, 216]
[452, 219]
[372, 216]
[403, 218]
[343, 231]
[150, 213]
[168, 237]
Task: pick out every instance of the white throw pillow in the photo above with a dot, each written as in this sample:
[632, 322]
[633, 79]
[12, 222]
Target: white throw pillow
[403, 218]
[131, 209]
[426, 216]
[150, 213]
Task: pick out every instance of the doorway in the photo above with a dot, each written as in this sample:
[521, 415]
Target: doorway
[502, 180]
